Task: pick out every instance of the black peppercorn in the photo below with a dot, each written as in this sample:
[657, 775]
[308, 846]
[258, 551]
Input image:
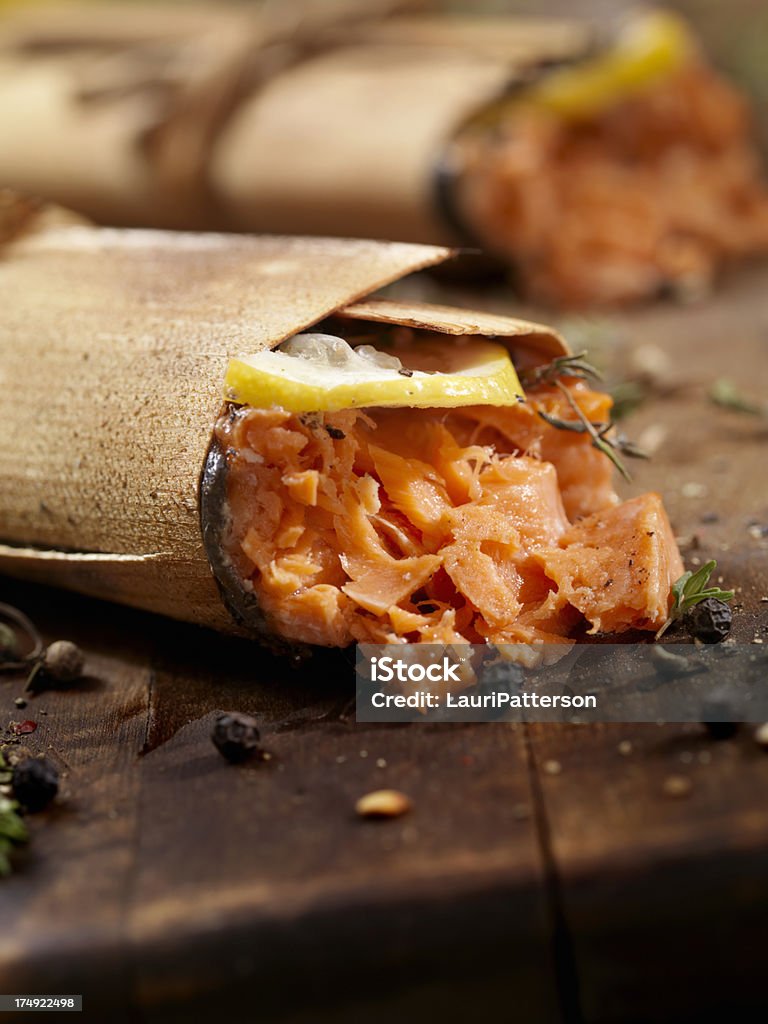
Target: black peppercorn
[716, 712]
[709, 620]
[35, 783]
[235, 736]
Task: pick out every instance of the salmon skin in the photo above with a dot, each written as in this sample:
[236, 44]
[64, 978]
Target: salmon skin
[471, 525]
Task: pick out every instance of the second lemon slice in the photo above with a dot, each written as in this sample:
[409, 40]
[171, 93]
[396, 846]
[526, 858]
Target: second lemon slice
[322, 373]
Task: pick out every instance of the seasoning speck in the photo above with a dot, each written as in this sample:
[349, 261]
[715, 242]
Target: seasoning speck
[20, 702]
[383, 803]
[625, 748]
[23, 728]
[677, 786]
[761, 735]
[552, 767]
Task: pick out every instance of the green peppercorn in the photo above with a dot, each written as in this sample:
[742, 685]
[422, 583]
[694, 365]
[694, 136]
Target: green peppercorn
[9, 644]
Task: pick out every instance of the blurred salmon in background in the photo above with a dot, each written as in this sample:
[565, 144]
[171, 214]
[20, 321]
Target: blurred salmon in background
[600, 158]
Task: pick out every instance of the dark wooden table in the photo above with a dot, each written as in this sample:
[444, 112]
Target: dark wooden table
[166, 885]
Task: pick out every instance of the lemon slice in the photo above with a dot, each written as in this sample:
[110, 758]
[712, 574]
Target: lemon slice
[322, 373]
[649, 47]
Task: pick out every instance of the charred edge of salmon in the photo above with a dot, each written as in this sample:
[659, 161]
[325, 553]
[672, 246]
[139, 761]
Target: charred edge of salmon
[446, 175]
[215, 523]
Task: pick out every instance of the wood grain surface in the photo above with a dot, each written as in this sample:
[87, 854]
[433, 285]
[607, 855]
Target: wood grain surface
[167, 885]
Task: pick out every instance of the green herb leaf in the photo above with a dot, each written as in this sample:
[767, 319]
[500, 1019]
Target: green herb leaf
[6, 848]
[12, 827]
[725, 394]
[689, 590]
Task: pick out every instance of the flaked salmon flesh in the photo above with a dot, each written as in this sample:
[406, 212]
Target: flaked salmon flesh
[434, 526]
[658, 192]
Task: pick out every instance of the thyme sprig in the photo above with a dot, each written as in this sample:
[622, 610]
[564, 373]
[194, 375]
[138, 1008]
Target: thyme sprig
[12, 829]
[689, 590]
[724, 393]
[563, 366]
[604, 438]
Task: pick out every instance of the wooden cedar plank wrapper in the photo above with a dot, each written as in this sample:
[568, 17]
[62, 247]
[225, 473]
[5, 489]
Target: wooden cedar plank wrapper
[353, 141]
[111, 107]
[113, 352]
[231, 121]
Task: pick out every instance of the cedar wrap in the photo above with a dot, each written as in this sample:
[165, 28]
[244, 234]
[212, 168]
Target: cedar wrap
[113, 352]
[242, 118]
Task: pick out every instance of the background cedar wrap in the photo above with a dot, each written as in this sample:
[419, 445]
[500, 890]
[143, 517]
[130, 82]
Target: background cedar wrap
[311, 117]
[112, 360]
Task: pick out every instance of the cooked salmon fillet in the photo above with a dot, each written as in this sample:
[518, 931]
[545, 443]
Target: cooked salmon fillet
[435, 526]
[656, 193]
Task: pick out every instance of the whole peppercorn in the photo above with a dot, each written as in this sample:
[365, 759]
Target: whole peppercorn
[709, 620]
[717, 713]
[235, 736]
[63, 661]
[35, 783]
[9, 645]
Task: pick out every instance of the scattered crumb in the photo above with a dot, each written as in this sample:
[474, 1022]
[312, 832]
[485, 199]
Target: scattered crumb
[677, 785]
[383, 803]
[381, 763]
[341, 759]
[650, 362]
[363, 753]
[20, 702]
[652, 438]
[693, 489]
[757, 640]
[761, 735]
[625, 748]
[552, 767]
[764, 600]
